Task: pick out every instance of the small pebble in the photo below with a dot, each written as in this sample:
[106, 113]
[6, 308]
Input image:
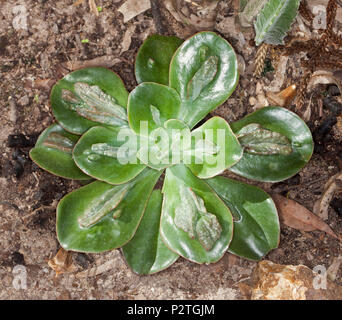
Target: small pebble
[24, 101]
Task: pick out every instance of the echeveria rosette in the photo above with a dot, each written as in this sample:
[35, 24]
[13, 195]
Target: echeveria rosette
[196, 215]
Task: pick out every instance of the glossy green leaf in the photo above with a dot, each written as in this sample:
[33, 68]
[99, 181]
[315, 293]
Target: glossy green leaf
[153, 59]
[53, 153]
[100, 98]
[204, 73]
[146, 253]
[275, 167]
[229, 151]
[256, 224]
[275, 20]
[150, 105]
[108, 154]
[187, 234]
[112, 213]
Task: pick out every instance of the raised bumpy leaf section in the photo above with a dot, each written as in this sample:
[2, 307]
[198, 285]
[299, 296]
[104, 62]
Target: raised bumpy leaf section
[59, 142]
[93, 104]
[257, 140]
[205, 74]
[192, 217]
[103, 205]
[278, 163]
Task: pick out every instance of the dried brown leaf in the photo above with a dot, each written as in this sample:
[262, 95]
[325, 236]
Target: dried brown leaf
[127, 38]
[294, 215]
[62, 262]
[106, 266]
[321, 206]
[107, 61]
[334, 268]
[93, 7]
[78, 2]
[325, 77]
[132, 8]
[41, 84]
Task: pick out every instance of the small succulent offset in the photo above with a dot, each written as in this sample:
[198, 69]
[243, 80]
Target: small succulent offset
[127, 141]
[273, 19]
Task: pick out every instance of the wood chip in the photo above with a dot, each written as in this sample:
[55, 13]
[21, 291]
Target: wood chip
[108, 265]
[334, 268]
[325, 77]
[107, 61]
[294, 215]
[62, 262]
[93, 7]
[131, 8]
[279, 77]
[41, 84]
[333, 185]
[78, 2]
[127, 39]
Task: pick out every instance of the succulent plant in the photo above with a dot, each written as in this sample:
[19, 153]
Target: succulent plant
[130, 141]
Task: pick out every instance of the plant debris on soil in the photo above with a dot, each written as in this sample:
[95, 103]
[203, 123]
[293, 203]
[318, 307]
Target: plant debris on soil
[41, 41]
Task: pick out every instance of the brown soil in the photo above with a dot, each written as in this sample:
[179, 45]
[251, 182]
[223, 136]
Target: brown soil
[52, 42]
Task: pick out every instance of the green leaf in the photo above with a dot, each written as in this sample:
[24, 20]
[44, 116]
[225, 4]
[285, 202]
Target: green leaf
[146, 253]
[256, 224]
[204, 73]
[217, 131]
[275, 20]
[53, 153]
[153, 59]
[275, 167]
[108, 154]
[203, 232]
[88, 97]
[100, 216]
[153, 104]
